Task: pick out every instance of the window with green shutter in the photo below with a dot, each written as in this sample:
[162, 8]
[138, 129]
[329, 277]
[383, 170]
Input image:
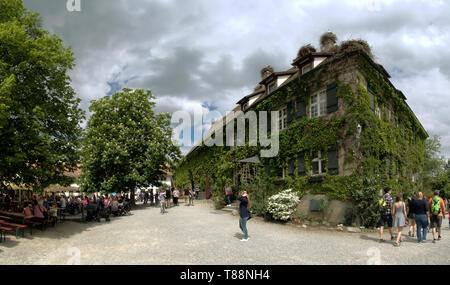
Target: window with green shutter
[333, 160]
[332, 100]
[291, 168]
[371, 97]
[301, 164]
[267, 167]
[300, 109]
[290, 112]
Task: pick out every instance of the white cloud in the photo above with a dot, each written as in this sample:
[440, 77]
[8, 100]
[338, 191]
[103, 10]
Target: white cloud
[192, 52]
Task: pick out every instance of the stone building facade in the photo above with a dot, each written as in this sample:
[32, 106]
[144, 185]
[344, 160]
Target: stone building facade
[338, 115]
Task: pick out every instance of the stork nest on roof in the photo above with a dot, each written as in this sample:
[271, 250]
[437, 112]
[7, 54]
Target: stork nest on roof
[305, 50]
[358, 44]
[327, 38]
[266, 71]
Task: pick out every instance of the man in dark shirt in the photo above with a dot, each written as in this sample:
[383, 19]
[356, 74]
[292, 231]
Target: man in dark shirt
[145, 197]
[168, 196]
[386, 216]
[186, 196]
[420, 216]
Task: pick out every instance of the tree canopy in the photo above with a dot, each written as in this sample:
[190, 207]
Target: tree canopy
[434, 164]
[126, 145]
[39, 113]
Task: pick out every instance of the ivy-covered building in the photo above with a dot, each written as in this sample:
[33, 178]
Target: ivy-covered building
[340, 117]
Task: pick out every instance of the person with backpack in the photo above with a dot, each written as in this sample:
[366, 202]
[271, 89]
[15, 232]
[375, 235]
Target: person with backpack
[437, 212]
[386, 204]
[421, 218]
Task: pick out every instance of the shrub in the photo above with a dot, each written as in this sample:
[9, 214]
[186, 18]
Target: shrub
[282, 205]
[365, 196]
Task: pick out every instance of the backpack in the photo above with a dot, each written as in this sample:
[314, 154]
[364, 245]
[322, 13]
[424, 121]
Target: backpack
[436, 206]
[382, 205]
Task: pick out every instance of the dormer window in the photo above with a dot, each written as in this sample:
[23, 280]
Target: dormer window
[307, 68]
[272, 87]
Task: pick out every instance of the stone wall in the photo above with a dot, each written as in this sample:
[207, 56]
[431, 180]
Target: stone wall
[334, 211]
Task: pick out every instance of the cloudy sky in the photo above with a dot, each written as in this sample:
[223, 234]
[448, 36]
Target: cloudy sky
[208, 53]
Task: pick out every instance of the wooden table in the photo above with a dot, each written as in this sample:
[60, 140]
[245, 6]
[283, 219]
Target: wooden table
[18, 216]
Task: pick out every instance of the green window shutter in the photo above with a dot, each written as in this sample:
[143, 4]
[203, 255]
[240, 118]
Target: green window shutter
[301, 109]
[267, 165]
[291, 168]
[333, 160]
[290, 111]
[269, 122]
[301, 164]
[332, 100]
[371, 95]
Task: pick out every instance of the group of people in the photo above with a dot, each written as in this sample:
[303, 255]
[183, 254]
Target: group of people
[166, 198]
[420, 213]
[106, 205]
[44, 208]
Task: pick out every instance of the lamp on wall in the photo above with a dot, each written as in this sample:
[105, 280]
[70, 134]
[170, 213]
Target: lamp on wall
[358, 131]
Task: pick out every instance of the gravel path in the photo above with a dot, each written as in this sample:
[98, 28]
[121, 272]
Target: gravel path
[202, 235]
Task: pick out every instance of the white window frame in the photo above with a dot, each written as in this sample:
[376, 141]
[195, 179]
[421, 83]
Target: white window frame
[282, 118]
[389, 112]
[378, 112]
[321, 101]
[321, 160]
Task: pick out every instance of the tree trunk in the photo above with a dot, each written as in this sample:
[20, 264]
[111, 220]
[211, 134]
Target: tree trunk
[133, 201]
[208, 187]
[192, 179]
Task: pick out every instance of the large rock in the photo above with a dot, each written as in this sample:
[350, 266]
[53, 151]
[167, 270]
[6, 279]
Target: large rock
[333, 212]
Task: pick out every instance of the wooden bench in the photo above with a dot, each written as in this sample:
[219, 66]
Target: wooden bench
[34, 224]
[64, 215]
[5, 218]
[16, 226]
[2, 232]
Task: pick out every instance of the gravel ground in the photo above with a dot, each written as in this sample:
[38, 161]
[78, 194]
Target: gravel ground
[200, 235]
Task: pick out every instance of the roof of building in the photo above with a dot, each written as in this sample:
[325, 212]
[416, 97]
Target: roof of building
[295, 73]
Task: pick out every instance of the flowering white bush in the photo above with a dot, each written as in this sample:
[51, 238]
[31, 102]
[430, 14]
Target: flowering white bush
[283, 204]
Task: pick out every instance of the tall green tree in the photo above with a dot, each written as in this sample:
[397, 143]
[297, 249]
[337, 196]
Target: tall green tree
[434, 164]
[39, 113]
[126, 145]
